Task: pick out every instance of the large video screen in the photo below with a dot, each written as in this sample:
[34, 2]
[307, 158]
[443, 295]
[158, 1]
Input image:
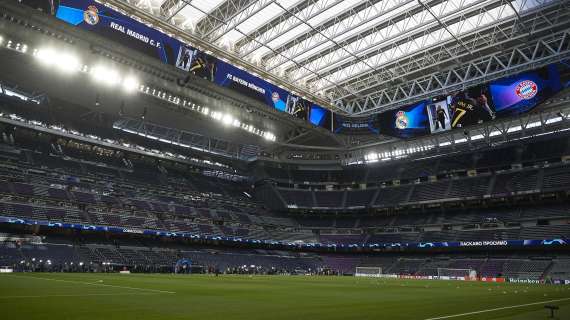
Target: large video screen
[320, 117]
[460, 109]
[519, 94]
[405, 122]
[501, 98]
[115, 26]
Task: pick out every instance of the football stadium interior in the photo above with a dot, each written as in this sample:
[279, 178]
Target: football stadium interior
[282, 159]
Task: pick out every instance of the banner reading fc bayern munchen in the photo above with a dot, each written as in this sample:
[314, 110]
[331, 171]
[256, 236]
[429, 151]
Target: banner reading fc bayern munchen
[95, 17]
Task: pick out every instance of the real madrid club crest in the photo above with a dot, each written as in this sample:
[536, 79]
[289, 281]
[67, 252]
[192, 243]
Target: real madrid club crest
[91, 15]
[526, 89]
[275, 97]
[401, 120]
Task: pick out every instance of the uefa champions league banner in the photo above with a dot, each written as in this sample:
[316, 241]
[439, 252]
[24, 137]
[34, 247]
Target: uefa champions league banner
[162, 233]
[97, 18]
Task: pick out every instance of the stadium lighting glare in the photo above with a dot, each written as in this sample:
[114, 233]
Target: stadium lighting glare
[130, 84]
[45, 56]
[372, 156]
[554, 120]
[216, 115]
[236, 123]
[533, 124]
[269, 136]
[477, 137]
[514, 129]
[1, 40]
[68, 63]
[105, 75]
[227, 119]
[65, 62]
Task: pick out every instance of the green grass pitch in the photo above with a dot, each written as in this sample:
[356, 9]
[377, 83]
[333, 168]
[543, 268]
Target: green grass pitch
[48, 296]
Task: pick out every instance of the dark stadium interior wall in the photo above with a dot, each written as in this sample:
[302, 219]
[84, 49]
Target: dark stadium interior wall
[265, 192]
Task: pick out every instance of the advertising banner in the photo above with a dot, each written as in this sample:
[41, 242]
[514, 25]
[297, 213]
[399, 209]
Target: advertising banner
[519, 94]
[163, 233]
[405, 122]
[501, 98]
[112, 25]
[366, 125]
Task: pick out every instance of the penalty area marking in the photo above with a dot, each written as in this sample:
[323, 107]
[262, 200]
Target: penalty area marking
[99, 284]
[496, 309]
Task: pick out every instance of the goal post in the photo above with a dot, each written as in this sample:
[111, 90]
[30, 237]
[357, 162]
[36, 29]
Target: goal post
[368, 272]
[461, 274]
[6, 269]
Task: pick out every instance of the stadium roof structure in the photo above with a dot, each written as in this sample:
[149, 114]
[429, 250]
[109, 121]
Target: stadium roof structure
[361, 57]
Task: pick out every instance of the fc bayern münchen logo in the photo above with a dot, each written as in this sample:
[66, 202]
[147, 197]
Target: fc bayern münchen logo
[91, 15]
[527, 89]
[401, 120]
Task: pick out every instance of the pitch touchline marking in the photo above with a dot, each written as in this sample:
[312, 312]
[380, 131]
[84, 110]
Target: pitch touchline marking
[79, 296]
[98, 284]
[497, 309]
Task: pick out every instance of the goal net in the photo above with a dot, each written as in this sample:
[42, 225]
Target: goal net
[368, 272]
[6, 269]
[456, 274]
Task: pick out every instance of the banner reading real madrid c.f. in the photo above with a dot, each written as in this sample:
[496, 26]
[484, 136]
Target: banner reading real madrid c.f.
[120, 28]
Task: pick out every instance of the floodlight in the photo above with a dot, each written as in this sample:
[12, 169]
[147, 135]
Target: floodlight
[227, 119]
[68, 63]
[46, 56]
[130, 84]
[105, 75]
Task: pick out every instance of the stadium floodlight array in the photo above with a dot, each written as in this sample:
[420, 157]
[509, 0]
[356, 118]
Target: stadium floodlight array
[531, 121]
[69, 63]
[454, 274]
[224, 118]
[374, 272]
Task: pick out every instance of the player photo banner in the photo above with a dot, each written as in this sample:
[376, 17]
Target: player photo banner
[185, 58]
[469, 107]
[439, 115]
[95, 17]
